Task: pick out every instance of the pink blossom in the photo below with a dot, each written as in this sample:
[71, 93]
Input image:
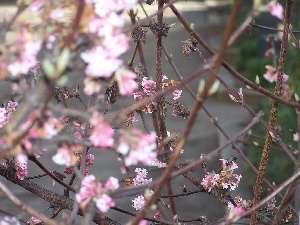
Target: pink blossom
[99, 62]
[68, 170]
[137, 147]
[63, 156]
[3, 114]
[149, 86]
[39, 153]
[106, 26]
[287, 93]
[89, 159]
[57, 14]
[235, 213]
[296, 136]
[91, 86]
[21, 168]
[92, 189]
[138, 202]
[126, 81]
[116, 44]
[276, 10]
[158, 163]
[102, 134]
[36, 5]
[112, 183]
[27, 58]
[140, 177]
[50, 41]
[143, 222]
[104, 203]
[33, 220]
[271, 75]
[176, 94]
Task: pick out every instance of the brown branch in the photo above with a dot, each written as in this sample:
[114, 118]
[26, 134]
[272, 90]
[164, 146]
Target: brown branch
[26, 208]
[57, 200]
[274, 107]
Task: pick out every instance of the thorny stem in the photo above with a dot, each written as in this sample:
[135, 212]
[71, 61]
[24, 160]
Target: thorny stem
[274, 107]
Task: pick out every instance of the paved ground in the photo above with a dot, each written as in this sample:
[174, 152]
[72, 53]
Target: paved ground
[204, 138]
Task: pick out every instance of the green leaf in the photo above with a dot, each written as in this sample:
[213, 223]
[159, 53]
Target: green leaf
[63, 60]
[48, 68]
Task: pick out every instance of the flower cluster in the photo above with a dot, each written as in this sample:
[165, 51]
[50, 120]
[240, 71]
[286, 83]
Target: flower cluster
[27, 50]
[276, 10]
[222, 180]
[103, 59]
[46, 127]
[65, 155]
[271, 75]
[136, 147]
[33, 221]
[21, 166]
[140, 179]
[5, 113]
[88, 162]
[9, 221]
[92, 189]
[102, 134]
[149, 88]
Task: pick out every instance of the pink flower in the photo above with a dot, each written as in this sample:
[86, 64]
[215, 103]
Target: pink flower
[91, 86]
[99, 62]
[33, 220]
[137, 147]
[57, 14]
[276, 10]
[21, 168]
[140, 177]
[92, 189]
[63, 156]
[112, 183]
[126, 81]
[138, 202]
[149, 86]
[296, 136]
[102, 134]
[271, 74]
[27, 58]
[36, 5]
[104, 203]
[143, 222]
[176, 94]
[3, 117]
[89, 159]
[116, 44]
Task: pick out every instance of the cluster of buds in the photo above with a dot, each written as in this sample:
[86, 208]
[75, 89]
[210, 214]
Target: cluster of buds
[225, 179]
